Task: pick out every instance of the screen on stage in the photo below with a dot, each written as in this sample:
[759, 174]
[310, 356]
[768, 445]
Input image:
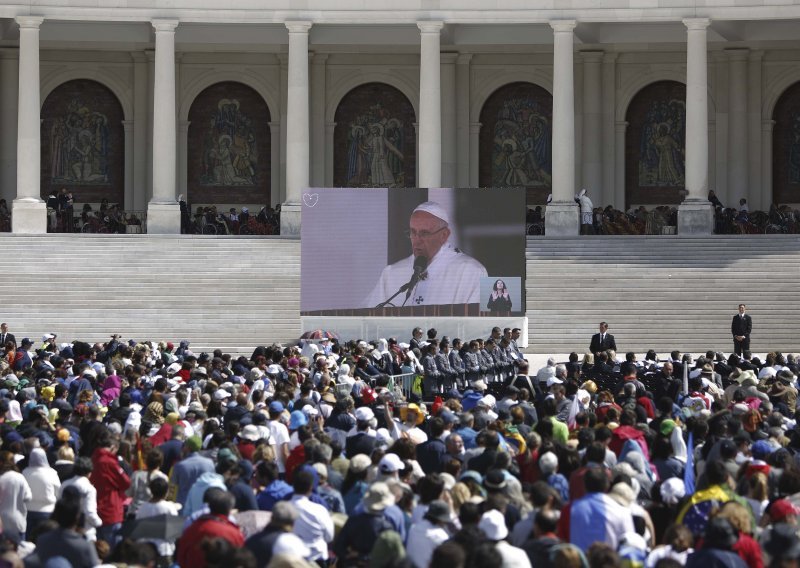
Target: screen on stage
[413, 252]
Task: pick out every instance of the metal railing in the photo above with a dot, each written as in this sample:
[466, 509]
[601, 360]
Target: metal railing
[110, 221]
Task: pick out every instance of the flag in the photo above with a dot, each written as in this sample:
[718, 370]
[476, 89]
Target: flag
[688, 473]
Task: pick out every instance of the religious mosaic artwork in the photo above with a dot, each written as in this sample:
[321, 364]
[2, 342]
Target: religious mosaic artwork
[662, 149]
[655, 145]
[79, 145]
[375, 150]
[786, 147]
[229, 146]
[521, 152]
[377, 138]
[83, 142]
[516, 140]
[230, 152]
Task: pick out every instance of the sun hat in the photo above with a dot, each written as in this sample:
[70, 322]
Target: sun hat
[360, 462]
[250, 432]
[378, 497]
[438, 511]
[297, 419]
[493, 525]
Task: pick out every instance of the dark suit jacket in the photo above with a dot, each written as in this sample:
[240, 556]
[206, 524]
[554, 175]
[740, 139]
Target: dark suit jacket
[361, 443]
[741, 325]
[597, 345]
[9, 337]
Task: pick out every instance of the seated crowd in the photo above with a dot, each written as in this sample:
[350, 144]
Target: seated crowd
[147, 454]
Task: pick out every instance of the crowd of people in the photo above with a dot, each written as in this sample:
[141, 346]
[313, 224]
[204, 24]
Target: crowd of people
[735, 220]
[148, 454]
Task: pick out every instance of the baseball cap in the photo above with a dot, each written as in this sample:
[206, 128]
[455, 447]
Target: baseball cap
[390, 463]
[276, 406]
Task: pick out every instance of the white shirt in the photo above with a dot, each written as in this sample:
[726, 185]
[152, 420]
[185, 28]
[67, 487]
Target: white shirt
[89, 494]
[513, 557]
[163, 507]
[423, 538]
[452, 278]
[313, 526]
[14, 496]
[279, 435]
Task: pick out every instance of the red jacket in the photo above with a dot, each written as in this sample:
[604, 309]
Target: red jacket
[190, 549]
[624, 433]
[111, 481]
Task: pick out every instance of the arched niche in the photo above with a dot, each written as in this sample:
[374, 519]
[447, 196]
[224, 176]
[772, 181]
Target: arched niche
[655, 145]
[374, 143]
[516, 138]
[83, 143]
[228, 150]
[786, 147]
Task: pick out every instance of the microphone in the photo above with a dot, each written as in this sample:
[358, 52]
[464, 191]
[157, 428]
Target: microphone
[420, 265]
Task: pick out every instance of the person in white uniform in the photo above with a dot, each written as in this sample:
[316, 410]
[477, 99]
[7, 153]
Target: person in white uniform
[451, 277]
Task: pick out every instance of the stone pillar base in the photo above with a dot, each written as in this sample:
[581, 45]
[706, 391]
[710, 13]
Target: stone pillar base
[163, 218]
[562, 220]
[290, 219]
[28, 216]
[695, 217]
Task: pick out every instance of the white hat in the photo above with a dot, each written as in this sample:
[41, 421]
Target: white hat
[47, 336]
[554, 381]
[493, 525]
[360, 462]
[201, 371]
[488, 401]
[250, 432]
[221, 394]
[480, 385]
[364, 414]
[434, 209]
[310, 411]
[174, 368]
[390, 463]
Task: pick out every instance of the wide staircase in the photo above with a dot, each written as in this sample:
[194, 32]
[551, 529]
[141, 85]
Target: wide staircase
[663, 292]
[231, 293]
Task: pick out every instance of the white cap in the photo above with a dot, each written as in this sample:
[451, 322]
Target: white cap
[488, 401]
[364, 414]
[390, 463]
[434, 209]
[554, 381]
[221, 394]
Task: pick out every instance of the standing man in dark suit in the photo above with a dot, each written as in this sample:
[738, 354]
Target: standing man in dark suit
[602, 341]
[741, 326]
[5, 336]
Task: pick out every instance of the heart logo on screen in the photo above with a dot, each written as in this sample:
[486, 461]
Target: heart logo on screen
[310, 199]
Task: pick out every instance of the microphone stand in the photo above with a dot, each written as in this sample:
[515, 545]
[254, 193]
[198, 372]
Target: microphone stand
[408, 286]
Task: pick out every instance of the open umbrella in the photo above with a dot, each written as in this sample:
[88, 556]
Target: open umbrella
[319, 334]
[252, 522]
[160, 527]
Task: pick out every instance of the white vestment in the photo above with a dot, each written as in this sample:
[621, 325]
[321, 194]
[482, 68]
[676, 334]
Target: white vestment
[452, 278]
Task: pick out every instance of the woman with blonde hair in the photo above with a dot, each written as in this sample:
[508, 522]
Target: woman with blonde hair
[746, 547]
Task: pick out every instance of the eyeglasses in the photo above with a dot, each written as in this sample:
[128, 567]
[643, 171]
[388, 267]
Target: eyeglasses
[414, 234]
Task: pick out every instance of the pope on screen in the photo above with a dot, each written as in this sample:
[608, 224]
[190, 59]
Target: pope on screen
[436, 272]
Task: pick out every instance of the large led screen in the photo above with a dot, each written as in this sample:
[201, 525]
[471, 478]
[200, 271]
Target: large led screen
[412, 252]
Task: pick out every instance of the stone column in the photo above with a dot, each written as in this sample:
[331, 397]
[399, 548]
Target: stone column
[619, 169]
[474, 154]
[462, 120]
[430, 106]
[140, 145]
[318, 73]
[449, 137]
[183, 157]
[592, 164]
[767, 125]
[28, 211]
[609, 140]
[128, 126]
[9, 94]
[163, 212]
[283, 59]
[737, 127]
[754, 138]
[275, 163]
[562, 215]
[297, 117]
[695, 214]
[330, 130]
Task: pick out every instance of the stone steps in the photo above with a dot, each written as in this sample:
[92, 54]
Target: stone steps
[231, 293]
[662, 292]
